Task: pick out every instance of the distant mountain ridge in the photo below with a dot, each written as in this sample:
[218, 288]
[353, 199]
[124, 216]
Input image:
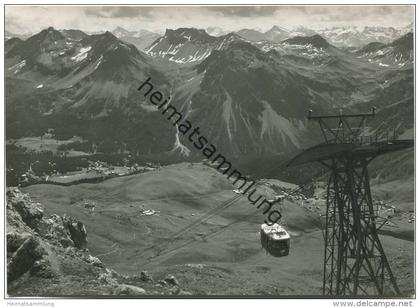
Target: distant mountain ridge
[351, 36]
[338, 36]
[359, 36]
[315, 40]
[141, 38]
[398, 52]
[8, 35]
[188, 45]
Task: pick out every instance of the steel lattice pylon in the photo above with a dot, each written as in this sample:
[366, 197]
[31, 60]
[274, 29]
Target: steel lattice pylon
[354, 259]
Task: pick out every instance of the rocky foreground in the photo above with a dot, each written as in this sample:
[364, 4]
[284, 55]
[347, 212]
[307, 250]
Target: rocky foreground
[48, 256]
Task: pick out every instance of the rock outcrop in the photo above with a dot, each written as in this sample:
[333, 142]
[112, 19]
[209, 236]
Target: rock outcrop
[49, 256]
[24, 257]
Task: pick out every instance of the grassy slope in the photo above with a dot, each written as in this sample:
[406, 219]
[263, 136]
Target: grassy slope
[230, 262]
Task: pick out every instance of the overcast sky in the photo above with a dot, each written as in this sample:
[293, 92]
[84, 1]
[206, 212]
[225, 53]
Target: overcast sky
[31, 19]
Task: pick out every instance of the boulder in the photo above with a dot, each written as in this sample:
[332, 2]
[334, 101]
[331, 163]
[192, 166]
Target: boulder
[15, 240]
[171, 280]
[94, 261]
[175, 290]
[54, 229]
[162, 283]
[42, 268]
[77, 231]
[24, 258]
[128, 290]
[106, 278]
[31, 214]
[146, 277]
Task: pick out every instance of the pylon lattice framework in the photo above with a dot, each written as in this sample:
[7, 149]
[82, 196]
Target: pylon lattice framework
[354, 259]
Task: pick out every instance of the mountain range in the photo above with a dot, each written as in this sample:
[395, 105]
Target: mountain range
[8, 35]
[338, 36]
[249, 97]
[185, 45]
[141, 38]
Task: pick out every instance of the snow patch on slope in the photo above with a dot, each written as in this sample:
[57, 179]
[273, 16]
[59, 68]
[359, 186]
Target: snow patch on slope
[228, 114]
[178, 146]
[98, 63]
[83, 52]
[17, 67]
[272, 123]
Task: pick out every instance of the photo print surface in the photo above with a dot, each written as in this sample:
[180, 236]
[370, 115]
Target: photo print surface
[209, 151]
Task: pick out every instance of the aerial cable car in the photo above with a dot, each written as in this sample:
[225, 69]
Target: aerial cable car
[275, 240]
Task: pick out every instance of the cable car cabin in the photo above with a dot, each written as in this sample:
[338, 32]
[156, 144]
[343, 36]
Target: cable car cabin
[275, 240]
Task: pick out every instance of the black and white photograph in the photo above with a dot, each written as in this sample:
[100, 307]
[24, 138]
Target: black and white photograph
[209, 151]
